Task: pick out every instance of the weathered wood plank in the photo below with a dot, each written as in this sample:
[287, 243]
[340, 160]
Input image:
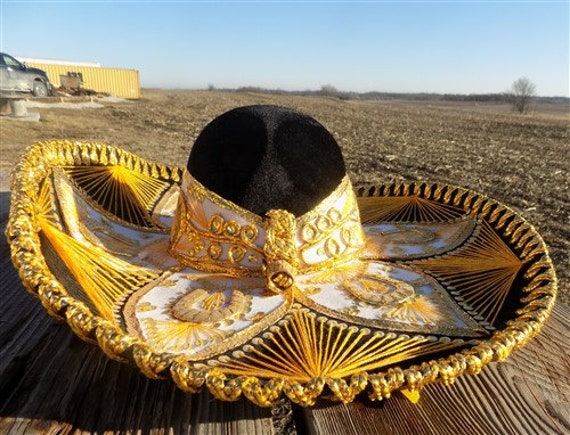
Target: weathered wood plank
[52, 382]
[528, 393]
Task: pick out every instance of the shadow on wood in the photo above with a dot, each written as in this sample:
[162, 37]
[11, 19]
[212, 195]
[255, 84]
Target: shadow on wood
[52, 381]
[527, 393]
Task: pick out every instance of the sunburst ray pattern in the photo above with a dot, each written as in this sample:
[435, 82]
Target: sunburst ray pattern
[104, 277]
[46, 206]
[305, 346]
[127, 194]
[416, 309]
[375, 209]
[168, 334]
[481, 273]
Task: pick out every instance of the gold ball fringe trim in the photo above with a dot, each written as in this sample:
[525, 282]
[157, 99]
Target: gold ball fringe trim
[22, 234]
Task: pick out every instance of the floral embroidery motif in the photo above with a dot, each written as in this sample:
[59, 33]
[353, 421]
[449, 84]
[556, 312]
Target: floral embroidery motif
[280, 253]
[203, 314]
[199, 306]
[169, 335]
[215, 235]
[379, 290]
[318, 259]
[314, 335]
[416, 309]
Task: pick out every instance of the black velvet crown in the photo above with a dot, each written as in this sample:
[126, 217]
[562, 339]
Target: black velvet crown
[267, 157]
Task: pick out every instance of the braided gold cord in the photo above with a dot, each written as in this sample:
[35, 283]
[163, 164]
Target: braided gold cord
[539, 287]
[280, 250]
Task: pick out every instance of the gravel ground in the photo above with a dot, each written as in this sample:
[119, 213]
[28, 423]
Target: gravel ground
[519, 160]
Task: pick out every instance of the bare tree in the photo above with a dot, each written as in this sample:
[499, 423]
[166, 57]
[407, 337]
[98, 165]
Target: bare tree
[329, 91]
[522, 92]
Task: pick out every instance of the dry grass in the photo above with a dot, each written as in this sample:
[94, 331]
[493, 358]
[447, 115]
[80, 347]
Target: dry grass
[519, 160]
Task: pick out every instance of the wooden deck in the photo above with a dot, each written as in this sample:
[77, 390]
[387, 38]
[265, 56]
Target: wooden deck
[52, 382]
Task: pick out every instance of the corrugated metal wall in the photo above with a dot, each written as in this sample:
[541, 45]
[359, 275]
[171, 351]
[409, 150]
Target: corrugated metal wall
[122, 83]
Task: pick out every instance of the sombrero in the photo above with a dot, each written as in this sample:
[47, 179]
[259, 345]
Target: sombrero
[259, 270]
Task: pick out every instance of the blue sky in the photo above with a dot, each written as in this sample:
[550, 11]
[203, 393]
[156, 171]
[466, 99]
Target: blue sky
[407, 46]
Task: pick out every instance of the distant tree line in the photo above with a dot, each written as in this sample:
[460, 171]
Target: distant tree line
[494, 98]
[521, 94]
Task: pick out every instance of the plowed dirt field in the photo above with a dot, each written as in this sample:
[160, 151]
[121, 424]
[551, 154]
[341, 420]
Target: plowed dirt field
[522, 161]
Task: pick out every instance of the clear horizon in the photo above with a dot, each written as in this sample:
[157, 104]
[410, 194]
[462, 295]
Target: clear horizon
[466, 47]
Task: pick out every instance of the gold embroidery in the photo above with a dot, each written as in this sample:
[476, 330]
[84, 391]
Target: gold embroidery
[340, 273]
[279, 250]
[405, 209]
[126, 194]
[145, 306]
[398, 298]
[279, 241]
[381, 290]
[408, 241]
[317, 347]
[238, 309]
[332, 234]
[196, 212]
[353, 310]
[215, 235]
[312, 290]
[416, 309]
[324, 348]
[214, 243]
[413, 236]
[104, 277]
[200, 306]
[175, 336]
[482, 272]
[45, 206]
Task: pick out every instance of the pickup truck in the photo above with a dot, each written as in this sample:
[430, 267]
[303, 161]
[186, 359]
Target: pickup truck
[16, 76]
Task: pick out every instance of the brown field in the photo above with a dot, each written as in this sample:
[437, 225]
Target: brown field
[522, 161]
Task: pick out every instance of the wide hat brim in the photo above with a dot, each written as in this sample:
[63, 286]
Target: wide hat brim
[93, 248]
